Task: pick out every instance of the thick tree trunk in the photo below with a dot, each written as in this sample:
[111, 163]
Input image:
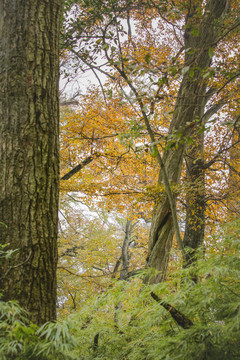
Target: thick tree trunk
[29, 152]
[188, 111]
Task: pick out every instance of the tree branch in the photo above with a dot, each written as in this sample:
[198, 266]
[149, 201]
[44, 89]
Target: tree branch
[80, 166]
[212, 110]
[180, 318]
[155, 148]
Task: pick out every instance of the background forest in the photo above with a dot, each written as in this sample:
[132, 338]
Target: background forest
[149, 232]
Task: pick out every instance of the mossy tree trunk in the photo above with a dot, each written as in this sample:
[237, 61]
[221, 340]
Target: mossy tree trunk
[29, 152]
[195, 200]
[234, 174]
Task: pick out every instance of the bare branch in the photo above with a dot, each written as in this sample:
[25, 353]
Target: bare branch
[80, 166]
[212, 110]
[179, 317]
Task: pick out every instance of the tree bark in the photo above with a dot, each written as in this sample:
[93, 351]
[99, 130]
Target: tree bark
[188, 111]
[29, 152]
[181, 319]
[234, 176]
[195, 201]
[125, 250]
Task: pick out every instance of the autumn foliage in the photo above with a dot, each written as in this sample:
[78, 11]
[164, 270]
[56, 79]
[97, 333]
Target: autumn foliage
[137, 53]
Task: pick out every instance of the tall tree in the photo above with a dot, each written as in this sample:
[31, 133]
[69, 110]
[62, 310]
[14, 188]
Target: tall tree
[201, 36]
[130, 41]
[29, 152]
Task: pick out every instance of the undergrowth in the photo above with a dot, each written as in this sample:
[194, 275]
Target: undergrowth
[127, 323]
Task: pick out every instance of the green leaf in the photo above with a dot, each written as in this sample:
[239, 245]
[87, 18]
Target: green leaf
[147, 58]
[154, 151]
[105, 46]
[179, 135]
[189, 140]
[191, 73]
[195, 32]
[210, 52]
[174, 71]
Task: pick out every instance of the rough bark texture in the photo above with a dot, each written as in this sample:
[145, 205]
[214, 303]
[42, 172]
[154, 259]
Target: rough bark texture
[29, 152]
[188, 111]
[195, 200]
[125, 250]
[234, 176]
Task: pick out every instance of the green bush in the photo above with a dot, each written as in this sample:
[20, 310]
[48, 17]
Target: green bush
[131, 325]
[126, 323]
[22, 340]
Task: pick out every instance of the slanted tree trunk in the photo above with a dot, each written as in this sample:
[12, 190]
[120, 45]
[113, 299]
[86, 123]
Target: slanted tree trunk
[29, 152]
[188, 111]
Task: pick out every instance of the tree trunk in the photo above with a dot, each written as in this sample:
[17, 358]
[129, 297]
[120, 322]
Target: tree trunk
[125, 249]
[29, 152]
[187, 114]
[195, 201]
[234, 176]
